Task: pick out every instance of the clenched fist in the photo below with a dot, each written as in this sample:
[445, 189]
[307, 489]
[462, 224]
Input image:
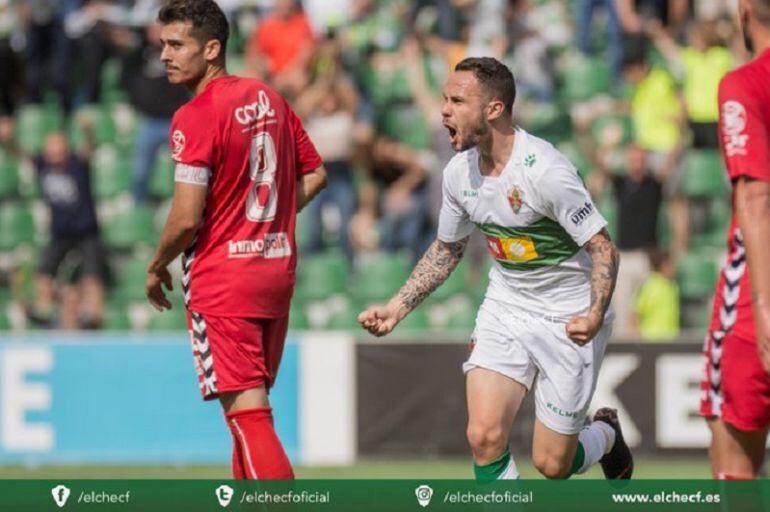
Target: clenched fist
[582, 329]
[380, 319]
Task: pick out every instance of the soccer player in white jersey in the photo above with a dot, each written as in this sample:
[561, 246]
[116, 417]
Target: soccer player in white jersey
[545, 317]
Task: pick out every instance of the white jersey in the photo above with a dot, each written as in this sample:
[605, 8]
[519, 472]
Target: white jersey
[536, 216]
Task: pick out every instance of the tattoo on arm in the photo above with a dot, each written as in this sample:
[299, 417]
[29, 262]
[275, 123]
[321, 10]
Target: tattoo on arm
[434, 267]
[604, 272]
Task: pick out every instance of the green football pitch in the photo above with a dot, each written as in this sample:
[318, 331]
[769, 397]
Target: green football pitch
[674, 468]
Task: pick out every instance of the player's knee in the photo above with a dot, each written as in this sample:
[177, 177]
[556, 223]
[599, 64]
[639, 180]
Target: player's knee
[550, 466]
[486, 442]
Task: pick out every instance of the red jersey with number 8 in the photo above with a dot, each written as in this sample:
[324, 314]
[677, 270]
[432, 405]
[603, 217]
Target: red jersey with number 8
[255, 148]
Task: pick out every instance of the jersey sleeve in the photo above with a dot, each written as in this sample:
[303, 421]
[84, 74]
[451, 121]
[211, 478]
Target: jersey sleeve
[307, 156]
[453, 222]
[561, 196]
[192, 140]
[744, 136]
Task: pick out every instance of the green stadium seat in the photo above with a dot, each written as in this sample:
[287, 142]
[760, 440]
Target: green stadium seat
[111, 173]
[129, 229]
[387, 87]
[162, 179]
[612, 130]
[112, 92]
[116, 318]
[704, 175]
[17, 226]
[405, 123]
[174, 319]
[457, 282]
[464, 320]
[548, 121]
[298, 320]
[583, 78]
[697, 274]
[380, 276]
[577, 157]
[5, 322]
[344, 320]
[34, 122]
[320, 276]
[130, 279]
[9, 176]
[416, 321]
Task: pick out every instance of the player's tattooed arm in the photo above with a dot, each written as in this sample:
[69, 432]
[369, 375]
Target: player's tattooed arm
[604, 272]
[434, 268]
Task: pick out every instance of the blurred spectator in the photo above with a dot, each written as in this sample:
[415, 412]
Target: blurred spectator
[397, 191]
[65, 182]
[586, 10]
[281, 47]
[656, 312]
[657, 117]
[446, 16]
[10, 68]
[638, 196]
[701, 65]
[154, 98]
[50, 52]
[635, 14]
[527, 53]
[487, 31]
[328, 107]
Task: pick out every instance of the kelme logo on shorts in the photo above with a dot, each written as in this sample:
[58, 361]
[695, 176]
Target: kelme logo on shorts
[561, 412]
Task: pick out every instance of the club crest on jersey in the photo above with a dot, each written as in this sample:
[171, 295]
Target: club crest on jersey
[177, 140]
[515, 198]
[733, 126]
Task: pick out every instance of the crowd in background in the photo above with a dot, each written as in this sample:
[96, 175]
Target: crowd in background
[627, 89]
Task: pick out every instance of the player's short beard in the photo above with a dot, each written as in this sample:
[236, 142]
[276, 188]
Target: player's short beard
[476, 135]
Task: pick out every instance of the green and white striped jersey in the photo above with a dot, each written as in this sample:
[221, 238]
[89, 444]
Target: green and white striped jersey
[536, 216]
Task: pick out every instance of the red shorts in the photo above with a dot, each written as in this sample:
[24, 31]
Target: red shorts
[736, 388]
[233, 354]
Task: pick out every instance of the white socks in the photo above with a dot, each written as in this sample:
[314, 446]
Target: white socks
[597, 439]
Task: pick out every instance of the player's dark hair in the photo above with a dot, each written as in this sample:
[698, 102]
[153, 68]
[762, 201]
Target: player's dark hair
[494, 76]
[208, 20]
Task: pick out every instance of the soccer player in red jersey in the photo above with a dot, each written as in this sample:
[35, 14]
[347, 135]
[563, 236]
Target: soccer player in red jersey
[244, 167]
[736, 388]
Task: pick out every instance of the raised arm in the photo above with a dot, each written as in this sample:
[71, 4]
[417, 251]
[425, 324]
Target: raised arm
[604, 273]
[431, 271]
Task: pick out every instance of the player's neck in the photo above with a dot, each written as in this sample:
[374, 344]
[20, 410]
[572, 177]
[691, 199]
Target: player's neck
[212, 74]
[761, 43]
[495, 150]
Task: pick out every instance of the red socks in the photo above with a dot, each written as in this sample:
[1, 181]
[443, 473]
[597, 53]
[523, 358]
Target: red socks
[257, 451]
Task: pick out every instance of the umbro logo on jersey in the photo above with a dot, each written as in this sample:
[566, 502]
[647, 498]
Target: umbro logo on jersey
[582, 214]
[256, 111]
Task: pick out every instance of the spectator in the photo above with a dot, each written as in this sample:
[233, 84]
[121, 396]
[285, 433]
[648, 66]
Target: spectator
[701, 65]
[328, 107]
[657, 116]
[635, 14]
[65, 182]
[585, 10]
[49, 51]
[155, 99]
[281, 47]
[638, 196]
[656, 312]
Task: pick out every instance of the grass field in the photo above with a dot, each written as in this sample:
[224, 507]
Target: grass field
[370, 469]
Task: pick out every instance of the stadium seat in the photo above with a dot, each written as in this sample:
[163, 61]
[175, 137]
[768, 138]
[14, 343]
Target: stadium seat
[405, 123]
[611, 130]
[130, 280]
[380, 276]
[697, 274]
[457, 282]
[9, 176]
[174, 319]
[162, 179]
[17, 226]
[5, 323]
[583, 78]
[321, 275]
[128, 229]
[111, 173]
[386, 87]
[298, 320]
[462, 322]
[577, 157]
[416, 321]
[116, 318]
[343, 320]
[34, 122]
[112, 92]
[704, 174]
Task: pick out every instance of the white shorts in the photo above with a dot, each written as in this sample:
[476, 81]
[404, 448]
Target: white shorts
[534, 349]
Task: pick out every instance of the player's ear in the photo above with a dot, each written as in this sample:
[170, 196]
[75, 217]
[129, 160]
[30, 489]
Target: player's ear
[212, 50]
[495, 109]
